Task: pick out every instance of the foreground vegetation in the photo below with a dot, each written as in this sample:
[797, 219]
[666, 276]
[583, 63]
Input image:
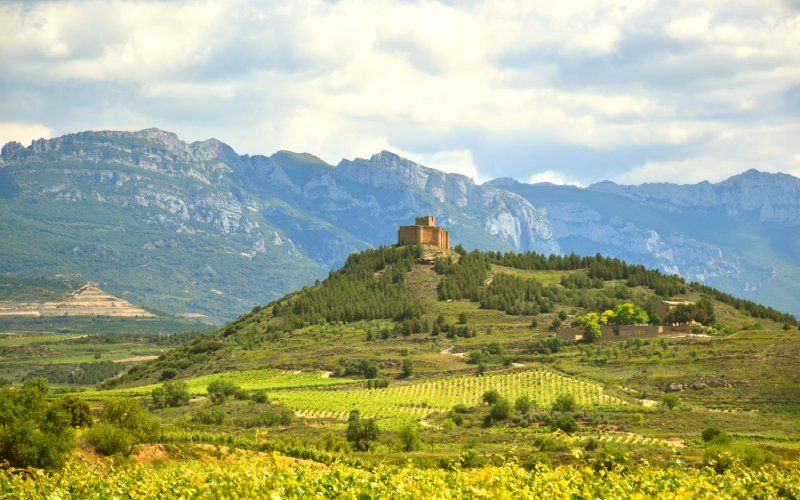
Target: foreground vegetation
[248, 475]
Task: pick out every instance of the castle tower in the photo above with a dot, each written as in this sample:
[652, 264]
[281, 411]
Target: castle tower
[423, 232]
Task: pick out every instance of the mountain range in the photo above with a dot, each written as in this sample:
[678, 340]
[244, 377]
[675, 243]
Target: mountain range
[197, 229]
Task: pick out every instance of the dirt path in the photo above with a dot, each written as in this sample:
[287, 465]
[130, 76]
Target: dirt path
[136, 359]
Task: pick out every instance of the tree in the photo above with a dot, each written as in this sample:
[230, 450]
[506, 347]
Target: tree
[625, 314]
[79, 411]
[409, 437]
[670, 401]
[500, 410]
[591, 332]
[714, 435]
[564, 422]
[523, 405]
[219, 390]
[564, 402]
[490, 397]
[462, 318]
[33, 431]
[408, 368]
[170, 394]
[361, 432]
[124, 423]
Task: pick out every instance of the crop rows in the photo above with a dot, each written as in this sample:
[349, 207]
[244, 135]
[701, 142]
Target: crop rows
[631, 439]
[275, 476]
[420, 399]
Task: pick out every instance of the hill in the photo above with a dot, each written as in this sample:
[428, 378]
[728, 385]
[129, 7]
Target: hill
[425, 320]
[456, 360]
[195, 228]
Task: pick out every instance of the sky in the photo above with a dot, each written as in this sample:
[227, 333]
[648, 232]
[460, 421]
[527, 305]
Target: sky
[567, 92]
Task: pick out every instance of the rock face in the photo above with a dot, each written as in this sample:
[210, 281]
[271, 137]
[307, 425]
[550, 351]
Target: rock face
[195, 228]
[88, 300]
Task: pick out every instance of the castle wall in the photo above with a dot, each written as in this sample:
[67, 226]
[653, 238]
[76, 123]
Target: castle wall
[623, 332]
[423, 235]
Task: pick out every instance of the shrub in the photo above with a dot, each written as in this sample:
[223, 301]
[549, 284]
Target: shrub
[79, 411]
[408, 368]
[610, 460]
[461, 408]
[714, 435]
[211, 416]
[462, 318]
[564, 422]
[723, 457]
[500, 410]
[124, 424]
[360, 432]
[564, 402]
[490, 397]
[548, 443]
[33, 431]
[168, 374]
[220, 390]
[409, 437]
[269, 419]
[481, 369]
[536, 460]
[670, 401]
[170, 394]
[495, 348]
[109, 439]
[523, 405]
[260, 397]
[378, 383]
[591, 332]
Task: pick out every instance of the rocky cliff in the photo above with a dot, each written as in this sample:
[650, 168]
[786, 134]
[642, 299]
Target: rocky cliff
[195, 228]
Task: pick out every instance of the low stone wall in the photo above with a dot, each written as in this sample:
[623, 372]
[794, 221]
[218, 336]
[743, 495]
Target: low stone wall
[624, 332]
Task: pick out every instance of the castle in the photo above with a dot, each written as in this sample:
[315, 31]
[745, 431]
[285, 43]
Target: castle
[423, 232]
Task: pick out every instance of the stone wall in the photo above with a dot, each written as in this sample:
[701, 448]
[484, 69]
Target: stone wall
[423, 235]
[624, 332]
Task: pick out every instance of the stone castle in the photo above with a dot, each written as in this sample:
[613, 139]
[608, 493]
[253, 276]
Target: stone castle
[424, 232]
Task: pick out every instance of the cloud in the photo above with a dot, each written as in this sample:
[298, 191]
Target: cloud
[622, 90]
[553, 177]
[23, 133]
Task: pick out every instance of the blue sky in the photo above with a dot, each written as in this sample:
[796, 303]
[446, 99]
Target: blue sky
[575, 92]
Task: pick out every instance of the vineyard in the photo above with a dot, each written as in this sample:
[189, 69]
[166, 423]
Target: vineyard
[420, 399]
[247, 379]
[274, 476]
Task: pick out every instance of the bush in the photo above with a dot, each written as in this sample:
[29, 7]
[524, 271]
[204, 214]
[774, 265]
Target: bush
[547, 443]
[714, 435]
[33, 431]
[523, 405]
[360, 432]
[564, 402]
[220, 390]
[409, 437]
[536, 460]
[212, 416]
[124, 423]
[495, 348]
[490, 397]
[462, 318]
[170, 394]
[79, 411]
[723, 457]
[260, 397]
[168, 374]
[610, 460]
[269, 419]
[461, 408]
[481, 369]
[408, 368]
[670, 401]
[378, 383]
[109, 439]
[500, 410]
[564, 422]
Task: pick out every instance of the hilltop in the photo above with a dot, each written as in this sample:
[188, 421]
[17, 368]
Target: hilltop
[447, 312]
[196, 228]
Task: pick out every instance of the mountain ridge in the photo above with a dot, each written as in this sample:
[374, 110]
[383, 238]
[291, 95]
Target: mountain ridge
[295, 211]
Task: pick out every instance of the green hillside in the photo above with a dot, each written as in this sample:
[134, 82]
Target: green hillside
[452, 360]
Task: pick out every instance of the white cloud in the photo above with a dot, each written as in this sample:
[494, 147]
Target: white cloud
[23, 133]
[604, 89]
[553, 177]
